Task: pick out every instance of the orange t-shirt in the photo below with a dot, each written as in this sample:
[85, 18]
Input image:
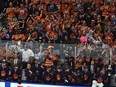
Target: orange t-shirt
[29, 25]
[11, 12]
[48, 62]
[104, 10]
[83, 27]
[66, 10]
[36, 19]
[17, 36]
[47, 27]
[52, 34]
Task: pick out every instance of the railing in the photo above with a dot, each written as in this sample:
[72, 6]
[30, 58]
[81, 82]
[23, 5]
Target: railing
[63, 50]
[3, 13]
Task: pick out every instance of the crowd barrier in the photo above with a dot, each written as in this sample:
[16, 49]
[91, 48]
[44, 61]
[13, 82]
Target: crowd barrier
[12, 84]
[63, 50]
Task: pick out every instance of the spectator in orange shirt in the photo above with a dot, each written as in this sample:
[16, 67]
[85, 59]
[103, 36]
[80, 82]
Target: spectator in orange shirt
[22, 12]
[13, 24]
[30, 22]
[66, 10]
[11, 11]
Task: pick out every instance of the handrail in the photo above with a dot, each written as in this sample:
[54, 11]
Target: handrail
[2, 13]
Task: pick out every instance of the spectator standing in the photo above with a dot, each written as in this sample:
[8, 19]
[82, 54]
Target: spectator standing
[22, 14]
[17, 61]
[26, 53]
[11, 11]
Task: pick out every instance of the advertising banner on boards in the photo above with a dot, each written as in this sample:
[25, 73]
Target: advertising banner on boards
[13, 84]
[2, 84]
[38, 85]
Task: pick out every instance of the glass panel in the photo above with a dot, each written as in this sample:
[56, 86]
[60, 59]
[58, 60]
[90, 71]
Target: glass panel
[66, 56]
[88, 52]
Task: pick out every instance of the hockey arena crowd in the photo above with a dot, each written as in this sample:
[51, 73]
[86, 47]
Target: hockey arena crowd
[64, 42]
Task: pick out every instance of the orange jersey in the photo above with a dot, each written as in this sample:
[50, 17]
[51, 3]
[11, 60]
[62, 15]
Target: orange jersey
[66, 9]
[23, 12]
[11, 12]
[48, 62]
